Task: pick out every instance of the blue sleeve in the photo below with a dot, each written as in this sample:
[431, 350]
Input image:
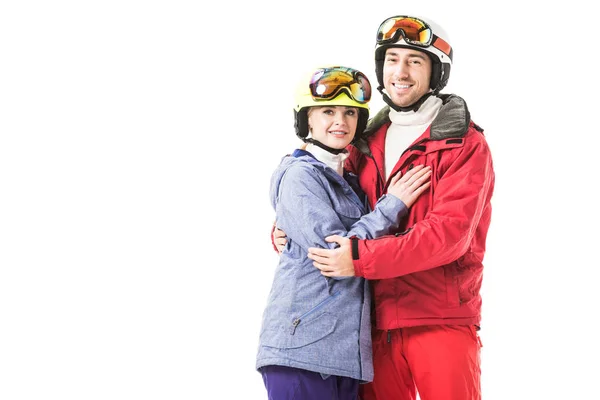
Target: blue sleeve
[306, 214]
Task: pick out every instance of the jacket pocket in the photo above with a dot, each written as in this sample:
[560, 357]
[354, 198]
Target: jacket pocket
[304, 329]
[306, 332]
[452, 293]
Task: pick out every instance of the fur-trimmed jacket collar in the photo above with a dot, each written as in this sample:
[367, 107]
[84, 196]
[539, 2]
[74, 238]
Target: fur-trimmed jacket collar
[452, 121]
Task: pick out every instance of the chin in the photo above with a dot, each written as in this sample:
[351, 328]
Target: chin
[338, 144]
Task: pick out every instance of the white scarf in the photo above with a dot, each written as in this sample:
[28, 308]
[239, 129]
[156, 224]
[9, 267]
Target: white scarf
[334, 161]
[406, 127]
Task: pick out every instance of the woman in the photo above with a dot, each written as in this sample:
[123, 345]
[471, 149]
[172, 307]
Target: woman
[315, 342]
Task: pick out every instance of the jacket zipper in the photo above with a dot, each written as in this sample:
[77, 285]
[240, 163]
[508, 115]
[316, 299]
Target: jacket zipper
[380, 179]
[297, 321]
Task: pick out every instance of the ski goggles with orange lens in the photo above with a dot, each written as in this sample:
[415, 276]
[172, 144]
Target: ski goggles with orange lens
[413, 30]
[328, 83]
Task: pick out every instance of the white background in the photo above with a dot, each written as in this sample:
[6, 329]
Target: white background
[137, 141]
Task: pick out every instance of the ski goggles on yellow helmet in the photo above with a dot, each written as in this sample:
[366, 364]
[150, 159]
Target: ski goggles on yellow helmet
[328, 83]
[413, 30]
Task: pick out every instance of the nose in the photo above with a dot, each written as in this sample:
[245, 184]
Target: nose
[401, 71]
[339, 118]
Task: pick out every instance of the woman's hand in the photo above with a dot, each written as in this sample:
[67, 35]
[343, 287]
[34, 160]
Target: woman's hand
[408, 187]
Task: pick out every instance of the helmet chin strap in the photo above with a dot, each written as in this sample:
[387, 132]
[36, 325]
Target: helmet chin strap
[324, 147]
[413, 107]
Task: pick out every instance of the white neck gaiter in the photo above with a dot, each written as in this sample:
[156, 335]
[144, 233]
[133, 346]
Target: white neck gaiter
[406, 127]
[334, 161]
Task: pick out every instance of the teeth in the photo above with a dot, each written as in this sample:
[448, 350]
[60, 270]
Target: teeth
[402, 86]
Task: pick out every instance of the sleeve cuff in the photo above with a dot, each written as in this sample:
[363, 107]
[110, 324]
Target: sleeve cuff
[358, 269]
[358, 265]
[396, 203]
[354, 246]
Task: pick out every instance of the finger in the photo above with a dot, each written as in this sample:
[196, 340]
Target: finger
[319, 259]
[322, 267]
[334, 238]
[418, 174]
[424, 177]
[417, 192]
[396, 178]
[425, 186]
[411, 172]
[329, 274]
[315, 251]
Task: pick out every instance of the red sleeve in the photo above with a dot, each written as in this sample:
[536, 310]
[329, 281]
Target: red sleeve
[447, 230]
[352, 160]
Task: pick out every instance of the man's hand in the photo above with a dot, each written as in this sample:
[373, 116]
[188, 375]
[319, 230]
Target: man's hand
[279, 239]
[333, 263]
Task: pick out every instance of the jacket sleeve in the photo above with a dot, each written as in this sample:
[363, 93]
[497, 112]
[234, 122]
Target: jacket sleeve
[307, 215]
[445, 234]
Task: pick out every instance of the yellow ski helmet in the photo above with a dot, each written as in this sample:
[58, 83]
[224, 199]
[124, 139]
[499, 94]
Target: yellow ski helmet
[332, 86]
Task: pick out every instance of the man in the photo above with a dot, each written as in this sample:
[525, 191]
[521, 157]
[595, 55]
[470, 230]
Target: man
[426, 278]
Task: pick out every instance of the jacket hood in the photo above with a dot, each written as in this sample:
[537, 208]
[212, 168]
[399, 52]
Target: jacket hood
[297, 158]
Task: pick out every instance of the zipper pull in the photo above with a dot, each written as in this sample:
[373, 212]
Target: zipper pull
[294, 325]
[389, 336]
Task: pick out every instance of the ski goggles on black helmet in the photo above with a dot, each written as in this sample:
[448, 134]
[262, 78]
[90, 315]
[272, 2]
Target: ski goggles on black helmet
[328, 83]
[413, 30]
